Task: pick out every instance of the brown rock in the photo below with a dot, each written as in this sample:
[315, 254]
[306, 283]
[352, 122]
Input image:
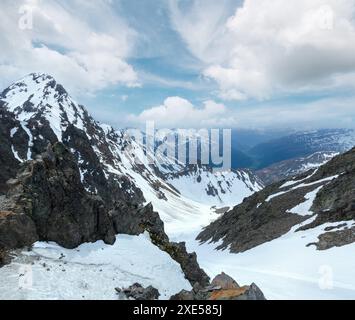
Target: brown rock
[225, 282]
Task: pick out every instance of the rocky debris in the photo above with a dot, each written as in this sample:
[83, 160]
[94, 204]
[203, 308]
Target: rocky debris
[138, 292]
[188, 261]
[266, 216]
[49, 192]
[223, 287]
[184, 295]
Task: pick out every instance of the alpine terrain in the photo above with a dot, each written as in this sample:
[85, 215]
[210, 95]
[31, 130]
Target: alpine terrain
[82, 212]
[309, 218]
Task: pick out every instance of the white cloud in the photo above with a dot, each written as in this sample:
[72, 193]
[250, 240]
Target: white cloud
[200, 24]
[82, 43]
[177, 112]
[273, 46]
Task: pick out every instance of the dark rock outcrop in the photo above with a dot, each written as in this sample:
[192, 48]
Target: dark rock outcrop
[48, 191]
[8, 163]
[138, 292]
[333, 239]
[16, 230]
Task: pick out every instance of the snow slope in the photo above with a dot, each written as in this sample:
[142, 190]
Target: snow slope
[92, 271]
[220, 189]
[285, 268]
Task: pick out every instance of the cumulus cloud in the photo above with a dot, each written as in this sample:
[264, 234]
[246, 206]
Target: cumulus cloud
[177, 112]
[82, 43]
[270, 47]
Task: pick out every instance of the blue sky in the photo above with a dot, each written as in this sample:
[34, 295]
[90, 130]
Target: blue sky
[191, 63]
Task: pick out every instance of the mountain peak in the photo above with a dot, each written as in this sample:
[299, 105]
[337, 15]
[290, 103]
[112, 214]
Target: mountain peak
[39, 95]
[34, 82]
[39, 76]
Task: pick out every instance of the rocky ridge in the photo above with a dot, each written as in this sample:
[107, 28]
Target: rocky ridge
[320, 196]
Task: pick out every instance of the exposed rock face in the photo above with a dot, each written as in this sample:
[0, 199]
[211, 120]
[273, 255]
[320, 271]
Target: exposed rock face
[49, 192]
[223, 287]
[270, 213]
[8, 163]
[138, 292]
[16, 230]
[247, 225]
[134, 219]
[333, 239]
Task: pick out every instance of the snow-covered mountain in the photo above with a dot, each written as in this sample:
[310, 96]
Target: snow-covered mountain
[51, 147]
[215, 188]
[303, 144]
[107, 158]
[293, 167]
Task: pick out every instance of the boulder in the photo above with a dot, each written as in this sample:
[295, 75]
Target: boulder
[138, 292]
[224, 282]
[16, 230]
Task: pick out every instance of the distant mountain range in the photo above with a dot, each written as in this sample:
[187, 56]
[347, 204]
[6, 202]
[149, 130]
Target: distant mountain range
[302, 144]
